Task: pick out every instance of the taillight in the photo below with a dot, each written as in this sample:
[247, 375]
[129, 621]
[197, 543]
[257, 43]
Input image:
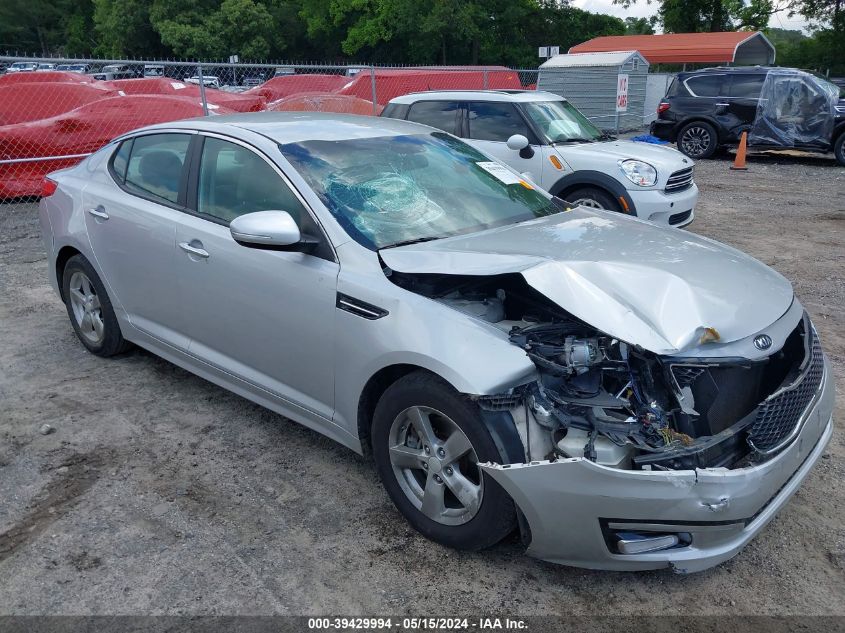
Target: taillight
[48, 188]
[662, 107]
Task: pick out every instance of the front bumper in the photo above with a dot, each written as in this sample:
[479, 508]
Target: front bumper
[571, 504]
[666, 209]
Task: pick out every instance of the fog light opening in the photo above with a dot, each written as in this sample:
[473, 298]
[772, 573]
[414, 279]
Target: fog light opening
[643, 542]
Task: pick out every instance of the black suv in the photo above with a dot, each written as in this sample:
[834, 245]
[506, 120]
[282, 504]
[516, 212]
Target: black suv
[707, 109]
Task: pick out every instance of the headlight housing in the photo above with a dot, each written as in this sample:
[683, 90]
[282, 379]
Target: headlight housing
[639, 172]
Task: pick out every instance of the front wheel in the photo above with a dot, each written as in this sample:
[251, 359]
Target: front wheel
[839, 149]
[428, 441]
[698, 140]
[593, 198]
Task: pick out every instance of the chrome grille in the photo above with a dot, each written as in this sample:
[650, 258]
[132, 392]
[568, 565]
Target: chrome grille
[679, 181]
[779, 415]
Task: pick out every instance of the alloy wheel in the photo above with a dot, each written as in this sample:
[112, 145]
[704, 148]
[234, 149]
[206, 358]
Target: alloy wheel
[435, 465]
[86, 308]
[589, 203]
[695, 141]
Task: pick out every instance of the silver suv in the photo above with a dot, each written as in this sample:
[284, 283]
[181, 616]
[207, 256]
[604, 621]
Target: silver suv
[542, 135]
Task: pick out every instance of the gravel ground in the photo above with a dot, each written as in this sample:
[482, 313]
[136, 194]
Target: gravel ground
[159, 493]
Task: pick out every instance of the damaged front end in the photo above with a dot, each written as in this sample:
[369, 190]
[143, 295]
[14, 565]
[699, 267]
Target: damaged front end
[638, 460]
[620, 405]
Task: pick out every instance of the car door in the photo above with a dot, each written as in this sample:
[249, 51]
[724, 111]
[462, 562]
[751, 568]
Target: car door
[743, 96]
[708, 98]
[131, 223]
[264, 316]
[490, 124]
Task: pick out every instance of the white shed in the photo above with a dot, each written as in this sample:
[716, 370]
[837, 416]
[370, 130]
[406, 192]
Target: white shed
[589, 80]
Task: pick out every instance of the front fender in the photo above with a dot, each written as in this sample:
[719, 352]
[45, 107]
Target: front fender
[591, 178]
[473, 356]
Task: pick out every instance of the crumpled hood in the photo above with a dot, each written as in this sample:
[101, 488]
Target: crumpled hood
[663, 157]
[646, 285]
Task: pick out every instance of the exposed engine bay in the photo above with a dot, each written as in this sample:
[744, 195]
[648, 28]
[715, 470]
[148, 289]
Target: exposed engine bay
[618, 404]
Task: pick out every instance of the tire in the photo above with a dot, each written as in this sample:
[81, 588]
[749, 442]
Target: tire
[594, 198]
[839, 149]
[698, 140]
[90, 310]
[455, 524]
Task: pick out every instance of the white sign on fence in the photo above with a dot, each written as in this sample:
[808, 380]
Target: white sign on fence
[622, 93]
[554, 50]
[543, 52]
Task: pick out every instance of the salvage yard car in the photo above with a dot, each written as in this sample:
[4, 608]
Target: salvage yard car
[630, 396]
[545, 137]
[779, 108]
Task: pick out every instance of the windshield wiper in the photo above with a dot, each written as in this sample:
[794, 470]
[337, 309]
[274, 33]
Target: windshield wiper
[575, 139]
[606, 137]
[416, 240]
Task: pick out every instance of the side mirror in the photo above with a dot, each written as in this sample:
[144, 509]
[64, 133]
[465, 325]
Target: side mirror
[272, 230]
[517, 142]
[520, 144]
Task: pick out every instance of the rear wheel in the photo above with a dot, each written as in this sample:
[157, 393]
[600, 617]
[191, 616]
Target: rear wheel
[593, 198]
[428, 441]
[90, 310]
[698, 139]
[839, 149]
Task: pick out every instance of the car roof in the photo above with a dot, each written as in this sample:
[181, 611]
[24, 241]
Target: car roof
[509, 96]
[730, 69]
[296, 127]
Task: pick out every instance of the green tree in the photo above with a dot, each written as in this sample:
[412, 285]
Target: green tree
[46, 27]
[123, 29]
[694, 16]
[208, 29]
[638, 26]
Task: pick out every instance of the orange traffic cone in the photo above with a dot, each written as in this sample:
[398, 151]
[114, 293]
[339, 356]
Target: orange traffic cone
[739, 161]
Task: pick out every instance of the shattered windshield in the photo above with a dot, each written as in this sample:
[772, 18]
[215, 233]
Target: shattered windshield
[561, 122]
[392, 190]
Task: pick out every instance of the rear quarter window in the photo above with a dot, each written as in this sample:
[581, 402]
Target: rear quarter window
[705, 85]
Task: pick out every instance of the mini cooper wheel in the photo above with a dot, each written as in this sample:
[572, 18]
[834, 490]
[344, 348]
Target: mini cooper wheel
[90, 310]
[698, 140]
[593, 198]
[428, 442]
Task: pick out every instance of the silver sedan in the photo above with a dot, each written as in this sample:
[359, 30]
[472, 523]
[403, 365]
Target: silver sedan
[627, 396]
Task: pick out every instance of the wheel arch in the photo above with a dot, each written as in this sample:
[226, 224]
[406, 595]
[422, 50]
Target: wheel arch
[591, 178]
[721, 134]
[62, 258]
[500, 423]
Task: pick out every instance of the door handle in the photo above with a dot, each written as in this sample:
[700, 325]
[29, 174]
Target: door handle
[99, 212]
[723, 105]
[193, 250]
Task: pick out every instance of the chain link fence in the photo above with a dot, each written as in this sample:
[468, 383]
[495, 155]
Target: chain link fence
[54, 112]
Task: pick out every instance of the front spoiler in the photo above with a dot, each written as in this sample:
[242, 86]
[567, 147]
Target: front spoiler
[570, 503]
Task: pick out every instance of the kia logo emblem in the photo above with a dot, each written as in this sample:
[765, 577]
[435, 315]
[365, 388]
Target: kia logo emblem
[762, 341]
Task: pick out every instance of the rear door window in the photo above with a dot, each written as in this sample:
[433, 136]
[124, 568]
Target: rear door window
[490, 121]
[155, 165]
[442, 115]
[746, 86]
[705, 85]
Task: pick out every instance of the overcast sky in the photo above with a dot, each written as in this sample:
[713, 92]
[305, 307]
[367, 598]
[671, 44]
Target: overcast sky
[643, 9]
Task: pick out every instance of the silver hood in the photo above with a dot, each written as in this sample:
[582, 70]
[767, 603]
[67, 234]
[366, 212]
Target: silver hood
[654, 287]
[662, 157]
